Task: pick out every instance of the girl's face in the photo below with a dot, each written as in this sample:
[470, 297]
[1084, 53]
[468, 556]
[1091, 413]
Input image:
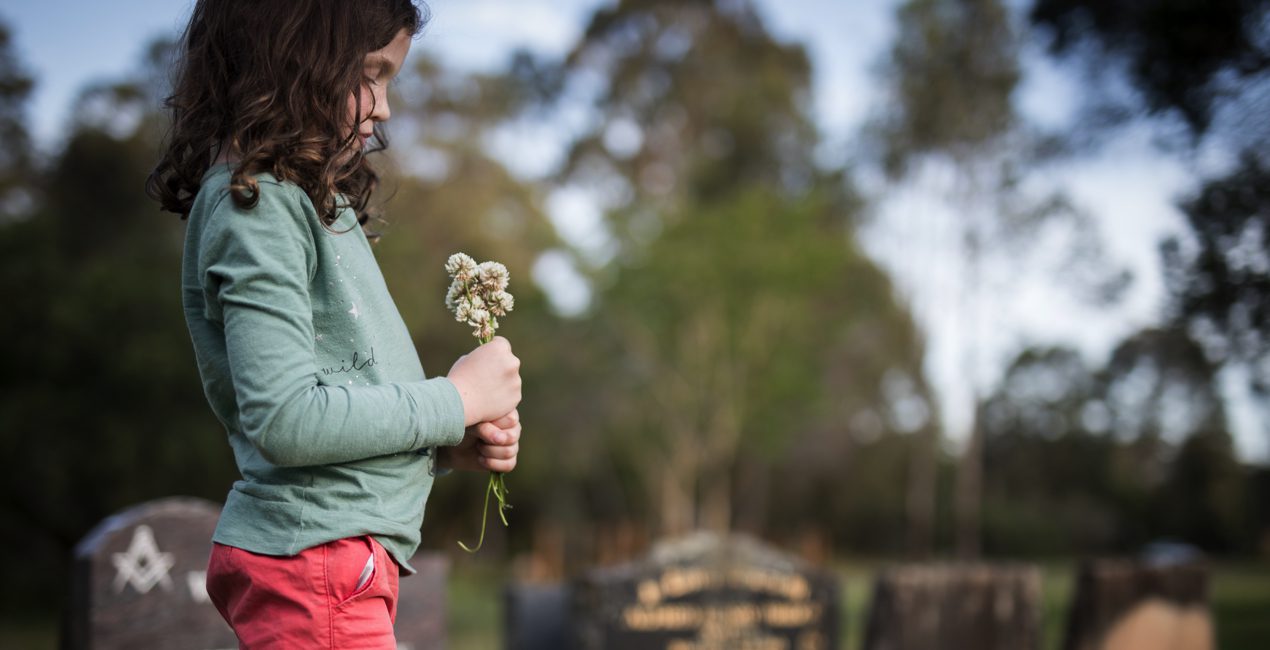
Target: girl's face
[379, 67]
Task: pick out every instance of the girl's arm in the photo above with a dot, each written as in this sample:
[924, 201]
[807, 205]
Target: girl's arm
[257, 265]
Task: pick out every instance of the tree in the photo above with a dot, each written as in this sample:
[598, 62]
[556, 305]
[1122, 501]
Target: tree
[16, 160]
[737, 299]
[107, 410]
[1183, 56]
[953, 69]
[1089, 459]
[1207, 63]
[450, 194]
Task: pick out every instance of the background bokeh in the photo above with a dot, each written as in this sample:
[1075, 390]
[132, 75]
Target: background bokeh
[870, 280]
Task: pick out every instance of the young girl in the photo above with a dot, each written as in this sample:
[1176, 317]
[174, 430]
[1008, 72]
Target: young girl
[302, 353]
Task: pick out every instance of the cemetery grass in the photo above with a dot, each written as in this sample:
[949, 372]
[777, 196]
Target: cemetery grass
[475, 604]
[1239, 595]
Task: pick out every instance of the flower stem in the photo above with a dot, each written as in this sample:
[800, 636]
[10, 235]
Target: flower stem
[498, 488]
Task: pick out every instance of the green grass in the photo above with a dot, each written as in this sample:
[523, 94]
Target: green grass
[29, 633]
[1239, 596]
[474, 609]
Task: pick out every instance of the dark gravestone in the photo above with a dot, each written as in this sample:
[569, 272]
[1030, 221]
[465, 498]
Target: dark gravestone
[140, 580]
[706, 593]
[421, 604]
[1131, 605]
[536, 617]
[955, 606]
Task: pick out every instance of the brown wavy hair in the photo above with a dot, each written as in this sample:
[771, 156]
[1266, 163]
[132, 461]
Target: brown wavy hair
[270, 80]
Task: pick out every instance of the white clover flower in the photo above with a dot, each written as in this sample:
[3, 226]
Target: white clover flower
[478, 294]
[461, 267]
[501, 303]
[454, 294]
[462, 311]
[492, 276]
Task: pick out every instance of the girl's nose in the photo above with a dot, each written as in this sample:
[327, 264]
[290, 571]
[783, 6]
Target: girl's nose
[381, 112]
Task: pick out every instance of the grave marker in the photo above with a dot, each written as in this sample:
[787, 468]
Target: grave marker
[1132, 605]
[705, 592]
[921, 607]
[140, 580]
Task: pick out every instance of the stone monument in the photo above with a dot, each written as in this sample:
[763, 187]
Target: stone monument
[927, 607]
[706, 592]
[140, 582]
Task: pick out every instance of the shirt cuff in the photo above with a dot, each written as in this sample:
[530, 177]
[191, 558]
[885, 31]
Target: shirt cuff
[441, 413]
[434, 470]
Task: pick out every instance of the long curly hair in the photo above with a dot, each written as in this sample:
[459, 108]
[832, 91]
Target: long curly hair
[268, 82]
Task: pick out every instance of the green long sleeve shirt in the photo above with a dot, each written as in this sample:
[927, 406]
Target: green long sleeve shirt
[307, 363]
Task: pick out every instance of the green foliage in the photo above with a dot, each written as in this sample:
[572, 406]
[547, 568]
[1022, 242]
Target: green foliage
[954, 67]
[1207, 62]
[106, 409]
[746, 323]
[1182, 55]
[1113, 458]
[742, 361]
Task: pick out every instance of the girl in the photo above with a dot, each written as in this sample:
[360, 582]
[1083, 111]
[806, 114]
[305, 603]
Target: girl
[303, 356]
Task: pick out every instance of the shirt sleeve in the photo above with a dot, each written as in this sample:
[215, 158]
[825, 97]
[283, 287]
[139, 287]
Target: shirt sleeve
[256, 266]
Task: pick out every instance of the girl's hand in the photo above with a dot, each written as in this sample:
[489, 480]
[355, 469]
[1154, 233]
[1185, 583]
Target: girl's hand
[488, 446]
[488, 380]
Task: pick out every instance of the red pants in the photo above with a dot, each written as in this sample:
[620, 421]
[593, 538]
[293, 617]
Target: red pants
[310, 600]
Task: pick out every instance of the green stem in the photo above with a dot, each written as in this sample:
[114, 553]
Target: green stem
[498, 487]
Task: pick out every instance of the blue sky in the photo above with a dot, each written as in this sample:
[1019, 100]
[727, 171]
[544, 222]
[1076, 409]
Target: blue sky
[1129, 187]
[70, 42]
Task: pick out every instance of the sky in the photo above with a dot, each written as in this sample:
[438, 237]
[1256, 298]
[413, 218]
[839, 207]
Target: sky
[1129, 186]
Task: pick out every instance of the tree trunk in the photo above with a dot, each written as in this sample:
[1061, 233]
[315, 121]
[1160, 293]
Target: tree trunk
[920, 501]
[970, 492]
[676, 502]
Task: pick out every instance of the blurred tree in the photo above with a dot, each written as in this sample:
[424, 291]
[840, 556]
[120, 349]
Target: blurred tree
[746, 326]
[1207, 63]
[951, 128]
[16, 160]
[449, 193]
[1086, 460]
[952, 71]
[1051, 459]
[1165, 403]
[107, 409]
[1182, 56]
[695, 100]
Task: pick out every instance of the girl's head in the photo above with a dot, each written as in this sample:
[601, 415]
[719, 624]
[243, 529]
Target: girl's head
[288, 87]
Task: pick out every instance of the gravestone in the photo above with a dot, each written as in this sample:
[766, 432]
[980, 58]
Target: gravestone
[1134, 605]
[421, 604]
[929, 607]
[140, 582]
[706, 592]
[536, 617]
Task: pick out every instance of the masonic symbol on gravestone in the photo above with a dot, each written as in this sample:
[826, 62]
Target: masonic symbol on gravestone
[142, 565]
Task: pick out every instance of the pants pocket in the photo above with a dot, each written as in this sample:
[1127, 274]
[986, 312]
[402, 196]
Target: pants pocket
[351, 569]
